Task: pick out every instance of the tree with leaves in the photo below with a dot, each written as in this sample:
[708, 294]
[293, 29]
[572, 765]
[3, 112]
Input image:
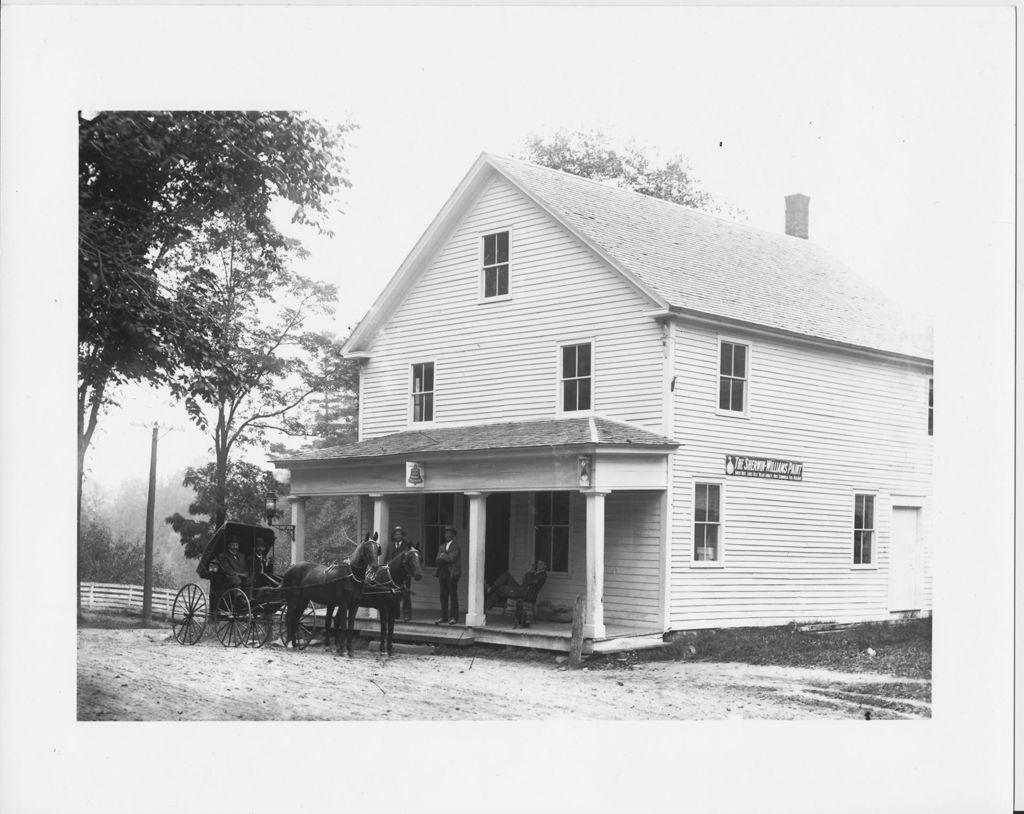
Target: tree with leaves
[113, 557]
[246, 488]
[593, 155]
[332, 415]
[262, 363]
[151, 183]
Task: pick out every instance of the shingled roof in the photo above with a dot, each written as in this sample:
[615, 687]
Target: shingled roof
[706, 265]
[507, 435]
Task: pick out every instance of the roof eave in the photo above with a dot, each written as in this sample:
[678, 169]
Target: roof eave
[703, 316]
[426, 455]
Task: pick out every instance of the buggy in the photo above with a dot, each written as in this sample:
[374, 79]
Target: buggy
[248, 615]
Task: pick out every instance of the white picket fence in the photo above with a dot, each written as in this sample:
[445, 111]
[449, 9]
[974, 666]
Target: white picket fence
[104, 596]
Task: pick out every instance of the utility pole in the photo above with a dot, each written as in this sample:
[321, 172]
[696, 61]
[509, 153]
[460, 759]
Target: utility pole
[147, 580]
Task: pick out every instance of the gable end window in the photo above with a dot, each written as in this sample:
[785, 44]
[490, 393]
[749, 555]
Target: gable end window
[495, 267]
[577, 377]
[732, 377]
[707, 522]
[863, 529]
[423, 392]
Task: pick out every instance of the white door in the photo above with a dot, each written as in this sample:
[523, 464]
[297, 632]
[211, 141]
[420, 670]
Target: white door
[904, 560]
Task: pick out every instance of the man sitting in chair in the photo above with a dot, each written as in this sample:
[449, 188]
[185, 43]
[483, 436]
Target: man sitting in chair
[505, 587]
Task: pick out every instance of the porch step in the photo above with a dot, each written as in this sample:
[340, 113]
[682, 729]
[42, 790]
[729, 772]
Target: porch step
[623, 644]
[420, 632]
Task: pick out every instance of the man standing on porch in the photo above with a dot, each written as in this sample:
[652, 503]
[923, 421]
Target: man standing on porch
[449, 569]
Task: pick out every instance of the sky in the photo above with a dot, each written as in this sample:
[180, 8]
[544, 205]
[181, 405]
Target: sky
[861, 109]
[898, 122]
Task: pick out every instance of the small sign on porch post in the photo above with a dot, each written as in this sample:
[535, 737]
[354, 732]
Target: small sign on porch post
[415, 474]
[586, 471]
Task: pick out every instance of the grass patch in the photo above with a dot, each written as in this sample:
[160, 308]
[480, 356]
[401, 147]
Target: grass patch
[900, 648]
[118, 620]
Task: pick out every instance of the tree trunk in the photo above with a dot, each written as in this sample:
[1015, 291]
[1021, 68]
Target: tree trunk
[220, 444]
[90, 402]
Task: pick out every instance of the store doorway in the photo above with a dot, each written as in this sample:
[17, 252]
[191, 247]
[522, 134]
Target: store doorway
[496, 542]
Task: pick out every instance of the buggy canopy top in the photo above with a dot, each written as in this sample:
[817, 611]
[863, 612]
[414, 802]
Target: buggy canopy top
[247, 536]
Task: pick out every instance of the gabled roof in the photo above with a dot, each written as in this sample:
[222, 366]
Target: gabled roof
[691, 262]
[584, 431]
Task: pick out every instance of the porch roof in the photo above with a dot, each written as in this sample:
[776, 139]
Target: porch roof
[585, 431]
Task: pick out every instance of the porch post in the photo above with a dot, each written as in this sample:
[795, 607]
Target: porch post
[593, 627]
[299, 519]
[381, 520]
[475, 616]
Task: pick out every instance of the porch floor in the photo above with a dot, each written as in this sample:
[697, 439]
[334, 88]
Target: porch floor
[499, 629]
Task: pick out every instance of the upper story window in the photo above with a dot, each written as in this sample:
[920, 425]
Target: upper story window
[707, 522]
[732, 377]
[423, 391]
[863, 529]
[495, 267]
[551, 530]
[577, 377]
[931, 405]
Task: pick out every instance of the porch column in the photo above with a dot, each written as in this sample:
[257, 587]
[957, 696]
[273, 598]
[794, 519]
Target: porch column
[381, 519]
[299, 519]
[475, 616]
[594, 624]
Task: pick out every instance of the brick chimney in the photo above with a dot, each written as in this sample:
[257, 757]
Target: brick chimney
[797, 213]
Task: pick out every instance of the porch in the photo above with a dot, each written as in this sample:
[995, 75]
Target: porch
[499, 630]
[588, 496]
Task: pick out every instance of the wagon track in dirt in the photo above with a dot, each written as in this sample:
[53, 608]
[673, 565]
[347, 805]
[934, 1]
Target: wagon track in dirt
[139, 674]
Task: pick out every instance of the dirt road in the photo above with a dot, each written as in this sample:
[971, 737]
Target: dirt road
[144, 675]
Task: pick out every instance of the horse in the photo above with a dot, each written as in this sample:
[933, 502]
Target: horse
[383, 591]
[334, 585]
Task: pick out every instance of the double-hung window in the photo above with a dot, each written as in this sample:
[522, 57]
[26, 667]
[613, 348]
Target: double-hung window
[551, 530]
[577, 377]
[707, 522]
[931, 405]
[732, 377]
[495, 266]
[863, 529]
[423, 392]
[438, 512]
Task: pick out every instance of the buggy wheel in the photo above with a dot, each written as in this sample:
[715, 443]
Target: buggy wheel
[304, 632]
[188, 614]
[261, 630]
[234, 618]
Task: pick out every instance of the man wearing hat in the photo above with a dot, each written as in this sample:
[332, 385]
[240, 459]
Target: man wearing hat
[262, 565]
[233, 564]
[449, 569]
[397, 545]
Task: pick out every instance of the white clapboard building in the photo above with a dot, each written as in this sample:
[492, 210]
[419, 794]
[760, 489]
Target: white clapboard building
[695, 423]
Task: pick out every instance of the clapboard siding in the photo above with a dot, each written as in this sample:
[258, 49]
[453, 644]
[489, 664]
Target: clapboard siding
[632, 558]
[857, 423]
[498, 361]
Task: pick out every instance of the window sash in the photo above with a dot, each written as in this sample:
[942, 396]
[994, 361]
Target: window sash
[495, 265]
[438, 512]
[423, 392]
[577, 377]
[931, 405]
[732, 376]
[707, 522]
[863, 529]
[496, 281]
[551, 530]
